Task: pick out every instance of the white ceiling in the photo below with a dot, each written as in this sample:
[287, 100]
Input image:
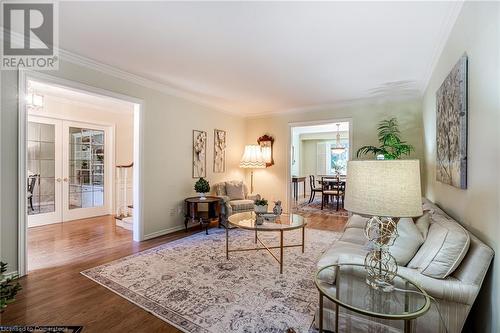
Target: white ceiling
[258, 57]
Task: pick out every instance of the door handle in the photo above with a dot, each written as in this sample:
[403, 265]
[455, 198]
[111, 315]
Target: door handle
[65, 179]
[58, 180]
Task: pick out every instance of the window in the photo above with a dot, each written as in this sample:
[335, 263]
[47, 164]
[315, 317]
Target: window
[329, 163]
[338, 162]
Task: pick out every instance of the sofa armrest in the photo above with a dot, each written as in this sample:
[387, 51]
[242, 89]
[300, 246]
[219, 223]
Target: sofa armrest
[449, 289]
[253, 197]
[228, 210]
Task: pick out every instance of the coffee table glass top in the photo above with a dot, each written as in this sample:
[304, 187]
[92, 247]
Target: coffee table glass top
[247, 220]
[349, 290]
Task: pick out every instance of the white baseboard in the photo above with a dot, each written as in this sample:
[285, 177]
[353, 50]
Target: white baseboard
[164, 232]
[10, 274]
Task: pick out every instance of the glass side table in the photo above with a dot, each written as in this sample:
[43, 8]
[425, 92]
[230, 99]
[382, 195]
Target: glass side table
[350, 291]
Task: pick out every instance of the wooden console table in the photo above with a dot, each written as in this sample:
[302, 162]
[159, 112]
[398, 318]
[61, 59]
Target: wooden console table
[203, 217]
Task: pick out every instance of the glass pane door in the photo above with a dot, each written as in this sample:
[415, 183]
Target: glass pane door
[86, 168]
[43, 171]
[40, 165]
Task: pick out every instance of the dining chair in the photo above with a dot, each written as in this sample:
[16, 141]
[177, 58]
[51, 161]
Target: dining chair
[314, 189]
[31, 187]
[337, 191]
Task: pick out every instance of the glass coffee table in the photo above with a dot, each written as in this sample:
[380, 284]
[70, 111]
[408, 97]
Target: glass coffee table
[349, 290]
[285, 222]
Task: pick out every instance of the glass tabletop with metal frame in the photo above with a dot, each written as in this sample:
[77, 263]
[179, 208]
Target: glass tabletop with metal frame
[282, 223]
[345, 286]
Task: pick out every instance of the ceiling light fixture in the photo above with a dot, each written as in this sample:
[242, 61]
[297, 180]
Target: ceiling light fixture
[338, 149]
[34, 101]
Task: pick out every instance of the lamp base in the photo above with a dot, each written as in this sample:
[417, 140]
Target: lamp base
[380, 265]
[381, 285]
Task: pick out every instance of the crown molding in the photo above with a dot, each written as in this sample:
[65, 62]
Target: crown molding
[127, 76]
[338, 105]
[139, 80]
[446, 28]
[110, 70]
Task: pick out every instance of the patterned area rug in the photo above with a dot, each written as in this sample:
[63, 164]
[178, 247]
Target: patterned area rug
[190, 284]
[315, 207]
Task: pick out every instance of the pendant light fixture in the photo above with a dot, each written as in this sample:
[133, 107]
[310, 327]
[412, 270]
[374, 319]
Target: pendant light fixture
[338, 149]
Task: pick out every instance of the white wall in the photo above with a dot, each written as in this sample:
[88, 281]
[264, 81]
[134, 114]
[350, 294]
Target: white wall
[167, 150]
[272, 183]
[477, 33]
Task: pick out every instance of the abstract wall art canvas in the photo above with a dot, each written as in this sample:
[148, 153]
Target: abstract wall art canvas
[199, 154]
[451, 127]
[220, 137]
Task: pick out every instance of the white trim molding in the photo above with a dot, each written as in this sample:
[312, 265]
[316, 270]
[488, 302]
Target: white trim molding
[444, 34]
[139, 80]
[291, 125]
[164, 232]
[139, 110]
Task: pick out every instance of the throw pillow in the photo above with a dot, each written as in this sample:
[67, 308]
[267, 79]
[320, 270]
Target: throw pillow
[235, 191]
[423, 223]
[356, 221]
[444, 249]
[407, 243]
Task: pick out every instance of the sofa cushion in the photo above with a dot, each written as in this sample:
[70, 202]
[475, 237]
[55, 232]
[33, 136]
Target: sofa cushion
[235, 190]
[407, 243]
[446, 245]
[356, 221]
[431, 207]
[354, 235]
[340, 249]
[220, 189]
[423, 223]
[241, 205]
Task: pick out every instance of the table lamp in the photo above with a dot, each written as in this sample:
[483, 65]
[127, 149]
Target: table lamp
[252, 159]
[385, 190]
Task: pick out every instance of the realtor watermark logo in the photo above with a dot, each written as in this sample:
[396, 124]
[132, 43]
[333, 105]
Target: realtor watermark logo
[30, 35]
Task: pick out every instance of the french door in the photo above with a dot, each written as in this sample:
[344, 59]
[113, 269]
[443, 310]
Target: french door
[71, 172]
[44, 171]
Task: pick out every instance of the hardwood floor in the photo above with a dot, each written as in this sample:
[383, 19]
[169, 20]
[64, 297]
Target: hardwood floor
[64, 243]
[55, 293]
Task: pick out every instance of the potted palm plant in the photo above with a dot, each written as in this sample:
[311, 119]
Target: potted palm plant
[8, 287]
[392, 147]
[202, 187]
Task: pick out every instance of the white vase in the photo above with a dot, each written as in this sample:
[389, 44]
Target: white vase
[202, 196]
[260, 209]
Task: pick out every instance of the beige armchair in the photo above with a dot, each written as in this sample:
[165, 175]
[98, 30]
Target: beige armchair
[234, 201]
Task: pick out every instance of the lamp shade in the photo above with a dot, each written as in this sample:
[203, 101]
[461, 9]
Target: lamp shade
[252, 157]
[389, 188]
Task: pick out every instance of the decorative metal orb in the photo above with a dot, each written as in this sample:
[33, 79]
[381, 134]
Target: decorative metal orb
[381, 231]
[381, 268]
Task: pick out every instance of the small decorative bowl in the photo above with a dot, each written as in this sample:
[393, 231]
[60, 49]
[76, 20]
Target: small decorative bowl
[269, 217]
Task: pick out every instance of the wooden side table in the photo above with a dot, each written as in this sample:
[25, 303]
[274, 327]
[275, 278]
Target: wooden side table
[203, 217]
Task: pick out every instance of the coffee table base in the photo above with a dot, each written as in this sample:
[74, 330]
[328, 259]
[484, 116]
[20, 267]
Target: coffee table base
[282, 246]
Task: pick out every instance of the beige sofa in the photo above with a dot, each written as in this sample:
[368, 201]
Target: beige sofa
[455, 293]
[234, 205]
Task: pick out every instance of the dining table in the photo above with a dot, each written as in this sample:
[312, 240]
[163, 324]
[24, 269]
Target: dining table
[331, 180]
